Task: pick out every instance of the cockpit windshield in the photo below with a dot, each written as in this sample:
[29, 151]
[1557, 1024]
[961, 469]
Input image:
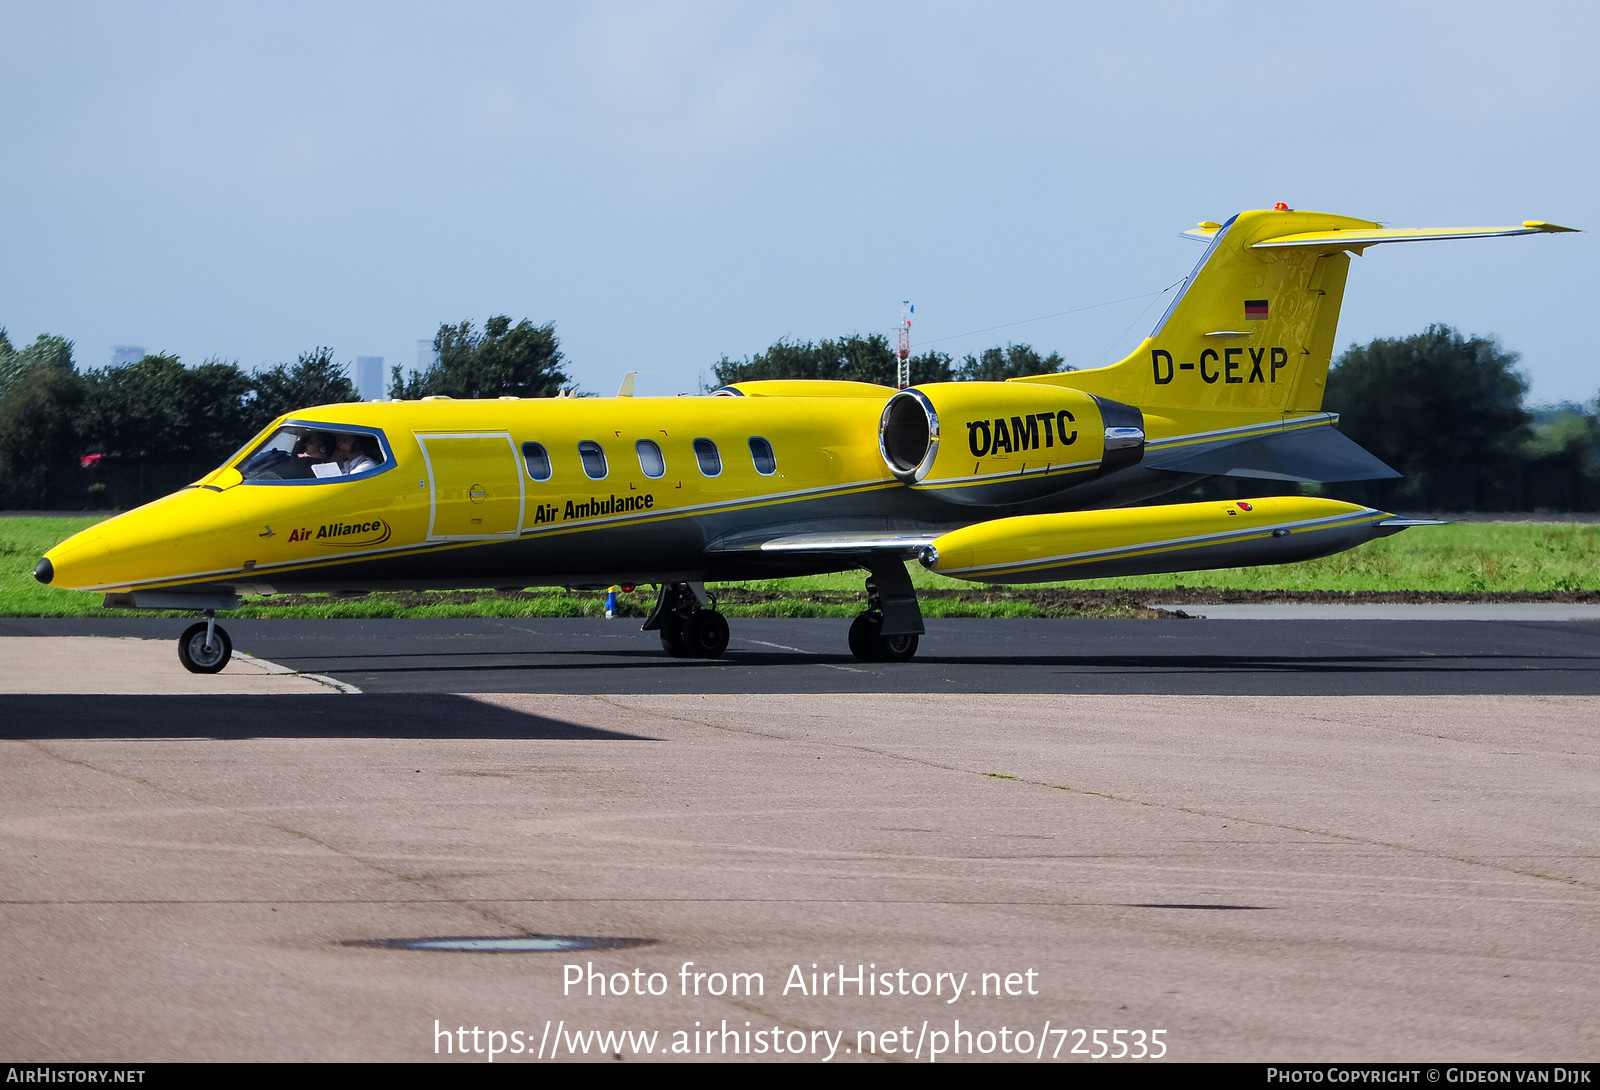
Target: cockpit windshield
[307, 452]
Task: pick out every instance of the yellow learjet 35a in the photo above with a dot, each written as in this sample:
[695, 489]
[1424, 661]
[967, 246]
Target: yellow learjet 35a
[1003, 482]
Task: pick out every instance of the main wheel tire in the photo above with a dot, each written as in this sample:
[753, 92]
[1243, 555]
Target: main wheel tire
[672, 641]
[706, 633]
[864, 636]
[868, 644]
[196, 657]
[897, 648]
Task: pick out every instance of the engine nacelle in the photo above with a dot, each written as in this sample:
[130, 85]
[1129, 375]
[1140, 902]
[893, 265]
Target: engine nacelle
[990, 443]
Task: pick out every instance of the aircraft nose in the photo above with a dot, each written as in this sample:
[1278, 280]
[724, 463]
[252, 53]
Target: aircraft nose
[44, 571]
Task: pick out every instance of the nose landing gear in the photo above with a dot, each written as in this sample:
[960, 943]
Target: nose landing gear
[204, 647]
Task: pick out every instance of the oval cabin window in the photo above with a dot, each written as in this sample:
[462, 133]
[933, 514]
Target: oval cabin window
[537, 459]
[761, 454]
[651, 464]
[594, 459]
[705, 452]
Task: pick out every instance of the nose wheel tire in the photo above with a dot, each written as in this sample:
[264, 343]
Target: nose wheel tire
[868, 644]
[196, 657]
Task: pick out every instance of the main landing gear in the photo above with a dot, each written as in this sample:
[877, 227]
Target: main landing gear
[887, 630]
[689, 625]
[204, 647]
[869, 644]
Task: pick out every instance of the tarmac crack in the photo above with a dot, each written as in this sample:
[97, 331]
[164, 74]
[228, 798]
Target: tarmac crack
[287, 830]
[1347, 838]
[1193, 811]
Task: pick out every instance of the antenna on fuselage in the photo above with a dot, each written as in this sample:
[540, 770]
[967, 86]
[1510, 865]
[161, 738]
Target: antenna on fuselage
[626, 389]
[903, 347]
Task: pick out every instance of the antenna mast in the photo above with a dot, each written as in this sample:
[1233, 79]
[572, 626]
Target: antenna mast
[903, 349]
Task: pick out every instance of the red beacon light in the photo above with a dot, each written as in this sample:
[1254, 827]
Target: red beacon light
[1280, 207]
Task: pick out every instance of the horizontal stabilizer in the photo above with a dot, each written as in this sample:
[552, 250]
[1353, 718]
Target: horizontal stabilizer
[1317, 455]
[1362, 237]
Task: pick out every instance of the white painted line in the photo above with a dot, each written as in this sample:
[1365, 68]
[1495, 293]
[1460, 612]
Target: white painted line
[278, 668]
[803, 651]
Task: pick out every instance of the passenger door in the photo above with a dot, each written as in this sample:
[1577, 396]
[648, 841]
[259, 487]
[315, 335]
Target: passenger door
[477, 485]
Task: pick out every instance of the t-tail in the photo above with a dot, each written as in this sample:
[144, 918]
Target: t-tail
[1252, 329]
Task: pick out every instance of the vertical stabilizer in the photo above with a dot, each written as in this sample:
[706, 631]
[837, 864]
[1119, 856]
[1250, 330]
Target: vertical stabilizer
[1252, 330]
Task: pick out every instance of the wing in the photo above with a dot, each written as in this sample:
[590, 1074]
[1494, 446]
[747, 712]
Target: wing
[902, 546]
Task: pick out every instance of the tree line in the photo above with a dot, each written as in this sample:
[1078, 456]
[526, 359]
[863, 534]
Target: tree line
[870, 359]
[116, 437]
[1447, 411]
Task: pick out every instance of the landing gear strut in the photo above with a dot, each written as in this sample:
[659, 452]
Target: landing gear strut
[204, 647]
[689, 625]
[887, 630]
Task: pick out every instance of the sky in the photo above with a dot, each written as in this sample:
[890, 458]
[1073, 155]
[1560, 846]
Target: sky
[671, 183]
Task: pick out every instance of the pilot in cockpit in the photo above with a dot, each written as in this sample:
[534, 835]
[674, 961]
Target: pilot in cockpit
[314, 447]
[356, 453]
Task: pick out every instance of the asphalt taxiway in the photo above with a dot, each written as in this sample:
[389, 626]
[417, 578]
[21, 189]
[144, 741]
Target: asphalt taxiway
[1348, 840]
[1522, 654]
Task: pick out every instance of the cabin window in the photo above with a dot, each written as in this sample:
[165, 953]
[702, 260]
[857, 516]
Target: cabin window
[594, 459]
[761, 454]
[537, 459]
[650, 461]
[705, 452]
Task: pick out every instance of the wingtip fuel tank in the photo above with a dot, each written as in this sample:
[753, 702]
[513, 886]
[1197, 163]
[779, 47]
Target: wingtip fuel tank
[1154, 540]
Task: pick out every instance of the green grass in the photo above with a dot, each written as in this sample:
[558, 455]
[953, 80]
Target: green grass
[1465, 558]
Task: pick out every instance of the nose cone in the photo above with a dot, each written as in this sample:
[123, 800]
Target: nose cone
[193, 532]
